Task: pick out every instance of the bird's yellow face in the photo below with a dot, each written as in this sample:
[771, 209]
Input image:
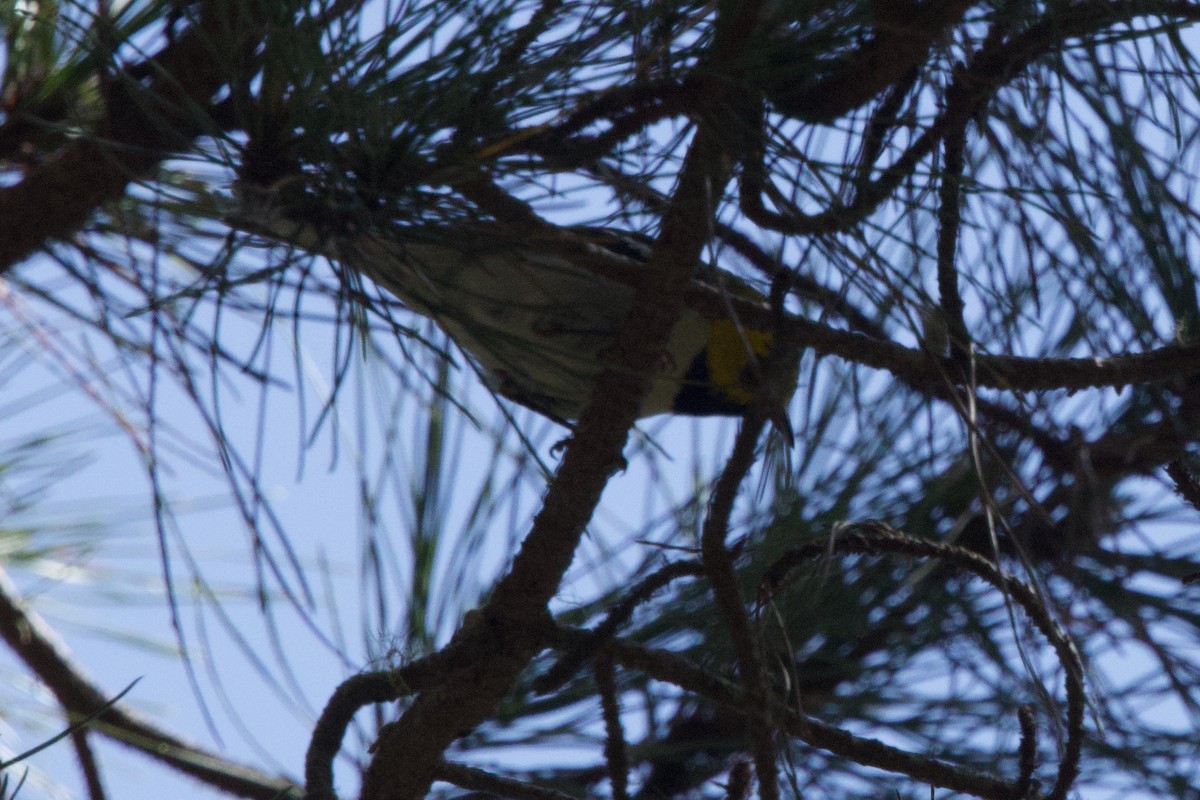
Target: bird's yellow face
[722, 378]
[731, 352]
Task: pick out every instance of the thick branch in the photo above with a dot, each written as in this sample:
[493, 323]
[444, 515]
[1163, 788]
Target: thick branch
[145, 123]
[509, 630]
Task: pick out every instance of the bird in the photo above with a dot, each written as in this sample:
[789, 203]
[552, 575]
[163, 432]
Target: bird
[538, 322]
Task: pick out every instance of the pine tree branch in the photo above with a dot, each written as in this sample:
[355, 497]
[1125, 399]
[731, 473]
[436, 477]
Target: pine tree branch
[153, 109]
[36, 644]
[478, 780]
[993, 66]
[905, 31]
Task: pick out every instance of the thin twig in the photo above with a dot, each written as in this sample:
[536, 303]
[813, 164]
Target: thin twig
[36, 644]
[1028, 753]
[874, 537]
[740, 780]
[718, 566]
[477, 780]
[882, 120]
[88, 764]
[1185, 483]
[578, 654]
[616, 752]
[949, 220]
[674, 669]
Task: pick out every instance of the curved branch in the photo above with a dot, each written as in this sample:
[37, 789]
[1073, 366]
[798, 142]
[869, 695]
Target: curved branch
[874, 537]
[674, 669]
[903, 37]
[36, 644]
[353, 694]
[366, 689]
[719, 567]
[577, 654]
[991, 68]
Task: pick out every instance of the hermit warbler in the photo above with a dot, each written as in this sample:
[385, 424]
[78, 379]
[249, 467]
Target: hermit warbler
[540, 325]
